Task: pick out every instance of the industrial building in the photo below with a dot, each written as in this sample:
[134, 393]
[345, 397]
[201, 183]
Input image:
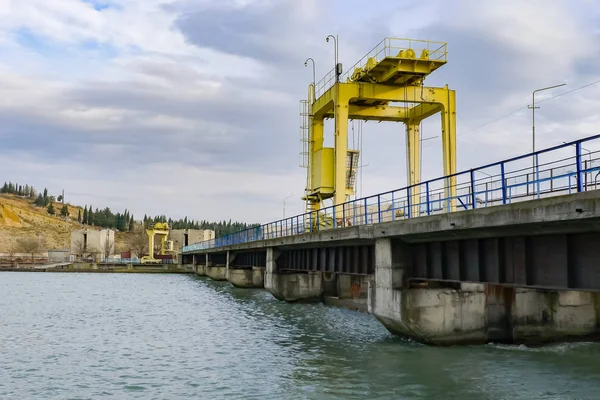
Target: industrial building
[87, 243]
[184, 237]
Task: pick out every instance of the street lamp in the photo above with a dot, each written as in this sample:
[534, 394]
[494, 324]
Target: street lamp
[533, 107]
[313, 65]
[284, 204]
[335, 45]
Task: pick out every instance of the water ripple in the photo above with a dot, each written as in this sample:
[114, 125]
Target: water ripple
[81, 336]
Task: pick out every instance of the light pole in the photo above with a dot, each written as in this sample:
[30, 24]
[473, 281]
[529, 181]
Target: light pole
[533, 107]
[335, 46]
[284, 204]
[313, 65]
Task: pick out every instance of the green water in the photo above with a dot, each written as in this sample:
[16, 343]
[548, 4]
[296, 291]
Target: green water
[92, 336]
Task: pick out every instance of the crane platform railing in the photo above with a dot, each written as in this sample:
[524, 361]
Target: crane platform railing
[392, 47]
[558, 170]
[388, 47]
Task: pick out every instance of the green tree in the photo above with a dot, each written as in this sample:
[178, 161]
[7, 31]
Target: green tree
[39, 201]
[85, 215]
[79, 215]
[51, 209]
[131, 224]
[64, 211]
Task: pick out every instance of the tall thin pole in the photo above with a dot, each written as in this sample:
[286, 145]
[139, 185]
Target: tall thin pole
[335, 51]
[533, 107]
[284, 204]
[313, 68]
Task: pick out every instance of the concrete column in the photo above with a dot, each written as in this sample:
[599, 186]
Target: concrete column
[200, 267]
[243, 277]
[347, 291]
[540, 316]
[435, 316]
[216, 272]
[291, 287]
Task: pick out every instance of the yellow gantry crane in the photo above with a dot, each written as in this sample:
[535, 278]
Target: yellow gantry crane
[162, 230]
[393, 72]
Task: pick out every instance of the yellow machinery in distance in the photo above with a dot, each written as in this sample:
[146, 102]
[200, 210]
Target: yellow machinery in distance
[162, 230]
[393, 72]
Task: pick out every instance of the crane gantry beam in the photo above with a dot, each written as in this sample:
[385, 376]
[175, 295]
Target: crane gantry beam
[391, 73]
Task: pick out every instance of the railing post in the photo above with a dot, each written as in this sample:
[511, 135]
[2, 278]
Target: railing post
[578, 160]
[393, 208]
[378, 208]
[537, 175]
[318, 225]
[473, 197]
[366, 214]
[344, 215]
[409, 212]
[449, 198]
[334, 218]
[487, 190]
[427, 197]
[503, 183]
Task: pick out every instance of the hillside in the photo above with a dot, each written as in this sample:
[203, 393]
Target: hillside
[19, 218]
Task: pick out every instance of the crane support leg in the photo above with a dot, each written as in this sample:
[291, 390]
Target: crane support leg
[341, 151]
[413, 161]
[449, 146]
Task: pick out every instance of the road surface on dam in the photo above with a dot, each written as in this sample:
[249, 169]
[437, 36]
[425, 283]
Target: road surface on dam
[89, 336]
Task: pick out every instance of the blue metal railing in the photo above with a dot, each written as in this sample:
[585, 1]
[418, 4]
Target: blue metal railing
[553, 171]
[121, 261]
[132, 261]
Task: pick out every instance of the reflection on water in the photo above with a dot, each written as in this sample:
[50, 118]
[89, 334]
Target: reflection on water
[178, 337]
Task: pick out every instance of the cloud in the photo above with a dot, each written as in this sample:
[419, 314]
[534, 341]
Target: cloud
[191, 107]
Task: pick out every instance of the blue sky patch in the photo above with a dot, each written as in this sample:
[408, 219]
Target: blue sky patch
[98, 5]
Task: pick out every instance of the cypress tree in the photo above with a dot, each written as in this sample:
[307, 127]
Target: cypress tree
[39, 201]
[51, 209]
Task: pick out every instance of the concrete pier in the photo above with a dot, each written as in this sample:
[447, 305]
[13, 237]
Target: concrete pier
[347, 291]
[475, 313]
[200, 269]
[252, 277]
[216, 272]
[292, 287]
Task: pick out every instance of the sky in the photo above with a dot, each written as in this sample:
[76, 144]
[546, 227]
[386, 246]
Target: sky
[190, 107]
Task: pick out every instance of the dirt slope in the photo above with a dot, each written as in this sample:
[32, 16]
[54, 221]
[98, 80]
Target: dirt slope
[20, 218]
